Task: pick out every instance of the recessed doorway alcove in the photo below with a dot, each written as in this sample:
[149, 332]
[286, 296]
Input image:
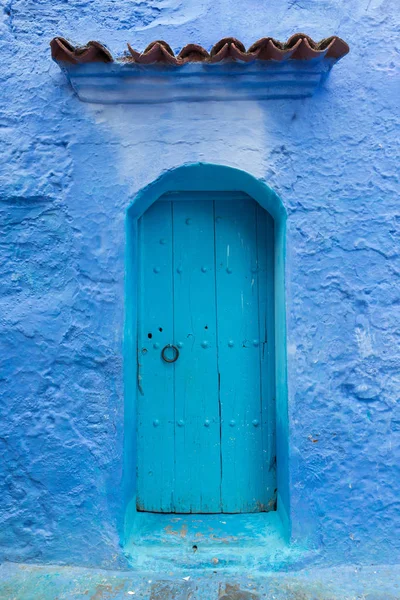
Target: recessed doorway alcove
[206, 432]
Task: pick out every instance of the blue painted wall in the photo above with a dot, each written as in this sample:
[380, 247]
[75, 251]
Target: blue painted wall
[68, 173]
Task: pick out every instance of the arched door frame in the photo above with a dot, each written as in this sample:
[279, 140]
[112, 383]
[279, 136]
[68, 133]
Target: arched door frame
[205, 177]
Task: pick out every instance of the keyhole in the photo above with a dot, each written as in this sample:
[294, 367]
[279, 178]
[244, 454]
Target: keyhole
[149, 335]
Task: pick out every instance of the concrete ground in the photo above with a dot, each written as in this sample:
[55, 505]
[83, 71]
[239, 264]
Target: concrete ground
[31, 582]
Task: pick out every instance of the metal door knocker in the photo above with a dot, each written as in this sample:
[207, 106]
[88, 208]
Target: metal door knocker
[175, 356]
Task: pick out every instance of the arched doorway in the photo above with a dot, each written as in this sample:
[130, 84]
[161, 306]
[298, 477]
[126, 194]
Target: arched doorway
[195, 443]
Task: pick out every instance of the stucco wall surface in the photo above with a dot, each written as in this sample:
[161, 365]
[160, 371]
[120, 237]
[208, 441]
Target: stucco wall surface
[68, 172]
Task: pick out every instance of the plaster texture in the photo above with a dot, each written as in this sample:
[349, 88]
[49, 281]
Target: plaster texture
[68, 173]
[29, 582]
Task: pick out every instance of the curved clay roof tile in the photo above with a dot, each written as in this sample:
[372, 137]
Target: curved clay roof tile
[332, 47]
[63, 51]
[134, 54]
[271, 49]
[158, 51]
[227, 48]
[193, 53]
[303, 50]
[298, 47]
[336, 47]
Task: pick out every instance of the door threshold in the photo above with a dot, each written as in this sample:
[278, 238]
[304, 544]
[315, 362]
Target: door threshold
[210, 541]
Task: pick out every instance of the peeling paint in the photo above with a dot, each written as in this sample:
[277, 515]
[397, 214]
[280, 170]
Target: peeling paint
[182, 532]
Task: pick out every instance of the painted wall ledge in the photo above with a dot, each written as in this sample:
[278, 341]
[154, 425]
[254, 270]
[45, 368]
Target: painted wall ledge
[267, 70]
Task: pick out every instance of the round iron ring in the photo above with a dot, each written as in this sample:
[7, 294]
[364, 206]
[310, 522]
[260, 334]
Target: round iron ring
[174, 358]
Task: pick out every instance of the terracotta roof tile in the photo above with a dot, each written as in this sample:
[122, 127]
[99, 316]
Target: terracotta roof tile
[63, 51]
[298, 47]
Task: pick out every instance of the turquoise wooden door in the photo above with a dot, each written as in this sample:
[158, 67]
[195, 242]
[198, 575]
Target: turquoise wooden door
[206, 430]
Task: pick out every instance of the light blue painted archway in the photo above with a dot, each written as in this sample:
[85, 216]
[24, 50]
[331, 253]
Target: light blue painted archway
[203, 177]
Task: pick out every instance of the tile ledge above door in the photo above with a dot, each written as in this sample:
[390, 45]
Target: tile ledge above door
[269, 69]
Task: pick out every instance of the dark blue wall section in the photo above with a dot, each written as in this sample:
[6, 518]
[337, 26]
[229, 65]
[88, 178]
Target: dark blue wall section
[69, 172]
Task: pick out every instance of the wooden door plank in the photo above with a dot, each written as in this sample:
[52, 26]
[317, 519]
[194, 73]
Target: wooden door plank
[239, 358]
[197, 423]
[155, 439]
[265, 274]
